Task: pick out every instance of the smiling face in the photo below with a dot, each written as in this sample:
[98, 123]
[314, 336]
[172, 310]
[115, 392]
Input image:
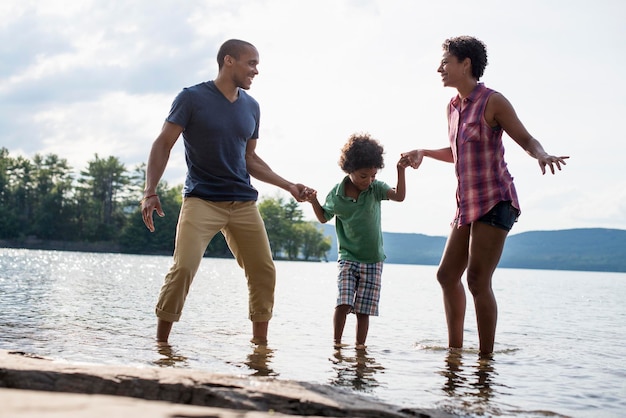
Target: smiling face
[453, 71]
[363, 177]
[243, 69]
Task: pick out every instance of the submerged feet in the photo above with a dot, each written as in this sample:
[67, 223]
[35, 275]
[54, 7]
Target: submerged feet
[259, 332]
[357, 346]
[259, 340]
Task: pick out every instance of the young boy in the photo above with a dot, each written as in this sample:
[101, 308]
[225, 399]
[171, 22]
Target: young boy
[355, 202]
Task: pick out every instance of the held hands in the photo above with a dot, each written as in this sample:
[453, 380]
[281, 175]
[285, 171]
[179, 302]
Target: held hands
[310, 195]
[301, 193]
[148, 205]
[403, 162]
[412, 158]
[551, 161]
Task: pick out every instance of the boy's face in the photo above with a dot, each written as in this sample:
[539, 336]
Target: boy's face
[363, 177]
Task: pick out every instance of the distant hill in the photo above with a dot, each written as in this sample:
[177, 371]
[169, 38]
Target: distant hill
[586, 249]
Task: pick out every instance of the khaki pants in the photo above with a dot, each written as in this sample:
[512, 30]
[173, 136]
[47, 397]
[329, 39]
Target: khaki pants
[244, 230]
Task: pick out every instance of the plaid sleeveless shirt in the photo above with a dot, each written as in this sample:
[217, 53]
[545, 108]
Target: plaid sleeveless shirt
[483, 179]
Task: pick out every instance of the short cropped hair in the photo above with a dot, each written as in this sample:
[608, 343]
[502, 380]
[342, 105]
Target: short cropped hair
[232, 47]
[468, 47]
[361, 151]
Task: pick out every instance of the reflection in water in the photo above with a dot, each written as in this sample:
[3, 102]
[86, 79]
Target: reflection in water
[452, 373]
[470, 386]
[484, 379]
[169, 357]
[356, 372]
[260, 361]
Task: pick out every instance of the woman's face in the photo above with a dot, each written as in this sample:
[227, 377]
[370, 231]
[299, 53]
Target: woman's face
[451, 69]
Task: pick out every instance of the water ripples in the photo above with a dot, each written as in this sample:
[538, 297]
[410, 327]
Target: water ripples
[558, 347]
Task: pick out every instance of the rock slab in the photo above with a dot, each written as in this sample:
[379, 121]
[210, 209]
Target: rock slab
[37, 387]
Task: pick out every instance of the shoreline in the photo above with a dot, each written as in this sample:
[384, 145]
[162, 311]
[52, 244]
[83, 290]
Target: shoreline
[33, 386]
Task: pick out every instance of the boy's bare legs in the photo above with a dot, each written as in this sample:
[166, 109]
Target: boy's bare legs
[339, 322]
[362, 327]
[163, 330]
[259, 332]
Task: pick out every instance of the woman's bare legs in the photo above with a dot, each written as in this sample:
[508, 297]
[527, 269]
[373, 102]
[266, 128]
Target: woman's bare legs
[486, 245]
[476, 248]
[451, 268]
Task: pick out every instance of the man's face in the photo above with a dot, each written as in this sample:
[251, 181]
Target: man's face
[244, 69]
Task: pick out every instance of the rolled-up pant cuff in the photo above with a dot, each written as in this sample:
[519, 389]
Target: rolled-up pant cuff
[260, 317]
[166, 316]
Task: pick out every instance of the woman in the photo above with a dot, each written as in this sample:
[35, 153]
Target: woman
[487, 204]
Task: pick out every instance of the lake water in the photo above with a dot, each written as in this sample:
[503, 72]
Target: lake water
[560, 344]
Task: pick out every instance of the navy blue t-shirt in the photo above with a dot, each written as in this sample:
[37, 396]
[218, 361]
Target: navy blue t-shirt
[216, 133]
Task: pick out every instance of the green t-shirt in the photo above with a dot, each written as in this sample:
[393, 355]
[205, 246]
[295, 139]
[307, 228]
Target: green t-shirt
[357, 222]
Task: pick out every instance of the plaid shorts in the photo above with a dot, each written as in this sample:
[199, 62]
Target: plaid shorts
[359, 286]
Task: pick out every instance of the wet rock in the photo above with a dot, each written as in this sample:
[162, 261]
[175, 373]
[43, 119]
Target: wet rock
[215, 395]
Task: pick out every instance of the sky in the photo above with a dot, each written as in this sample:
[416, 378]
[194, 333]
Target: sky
[80, 78]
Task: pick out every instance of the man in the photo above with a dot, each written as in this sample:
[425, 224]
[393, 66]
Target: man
[220, 126]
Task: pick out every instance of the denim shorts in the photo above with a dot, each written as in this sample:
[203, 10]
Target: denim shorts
[503, 216]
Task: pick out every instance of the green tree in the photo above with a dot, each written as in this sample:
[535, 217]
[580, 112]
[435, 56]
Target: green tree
[314, 244]
[9, 227]
[41, 198]
[22, 195]
[288, 233]
[52, 207]
[137, 239]
[101, 215]
[293, 239]
[218, 247]
[277, 227]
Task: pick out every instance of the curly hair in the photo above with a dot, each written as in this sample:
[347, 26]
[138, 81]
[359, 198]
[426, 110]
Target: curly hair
[361, 151]
[468, 47]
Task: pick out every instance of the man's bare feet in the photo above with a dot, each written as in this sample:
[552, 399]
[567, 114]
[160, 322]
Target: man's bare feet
[163, 331]
[259, 341]
[259, 333]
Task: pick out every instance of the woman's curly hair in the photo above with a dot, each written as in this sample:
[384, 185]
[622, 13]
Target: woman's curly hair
[468, 47]
[361, 151]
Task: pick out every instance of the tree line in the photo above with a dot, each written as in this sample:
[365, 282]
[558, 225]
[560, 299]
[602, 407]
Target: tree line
[44, 198]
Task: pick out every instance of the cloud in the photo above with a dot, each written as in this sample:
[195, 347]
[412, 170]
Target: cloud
[84, 77]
